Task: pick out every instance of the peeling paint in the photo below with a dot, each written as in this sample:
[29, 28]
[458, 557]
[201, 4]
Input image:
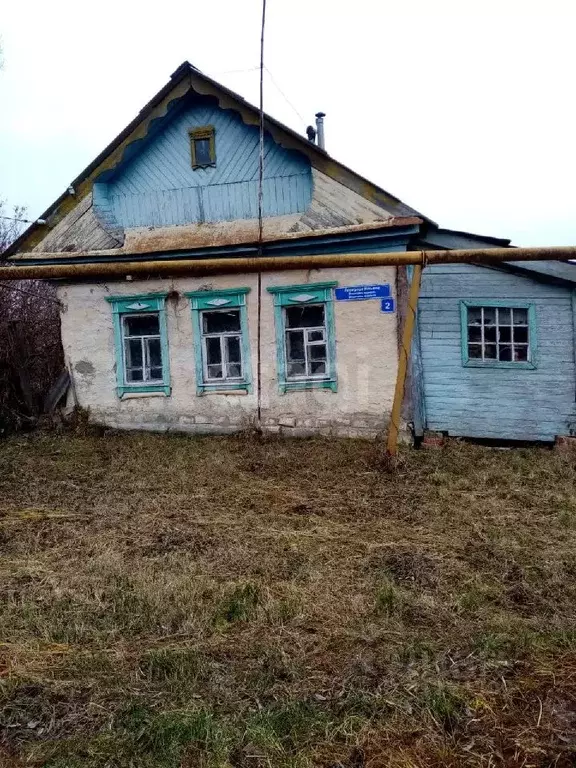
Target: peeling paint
[366, 355]
[84, 368]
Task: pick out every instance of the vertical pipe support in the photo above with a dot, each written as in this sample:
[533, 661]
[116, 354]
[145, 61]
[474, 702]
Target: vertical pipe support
[407, 334]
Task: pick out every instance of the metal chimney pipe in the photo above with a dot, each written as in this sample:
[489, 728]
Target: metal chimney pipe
[320, 129]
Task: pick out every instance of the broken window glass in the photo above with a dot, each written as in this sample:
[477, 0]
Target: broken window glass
[305, 339]
[498, 334]
[222, 345]
[142, 349]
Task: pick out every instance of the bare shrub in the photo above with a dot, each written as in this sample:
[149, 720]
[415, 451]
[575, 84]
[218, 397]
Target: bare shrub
[30, 349]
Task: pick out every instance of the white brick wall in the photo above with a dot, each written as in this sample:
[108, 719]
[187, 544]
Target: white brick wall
[366, 352]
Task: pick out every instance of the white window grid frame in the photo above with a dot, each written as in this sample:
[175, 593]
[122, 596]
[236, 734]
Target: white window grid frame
[489, 362]
[306, 330]
[146, 366]
[225, 379]
[496, 325]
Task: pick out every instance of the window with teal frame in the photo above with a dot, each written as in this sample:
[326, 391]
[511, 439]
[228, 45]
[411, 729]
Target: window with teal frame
[305, 339]
[498, 334]
[141, 343]
[221, 348]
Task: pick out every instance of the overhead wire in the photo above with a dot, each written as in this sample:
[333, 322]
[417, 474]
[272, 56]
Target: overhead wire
[286, 99]
[13, 218]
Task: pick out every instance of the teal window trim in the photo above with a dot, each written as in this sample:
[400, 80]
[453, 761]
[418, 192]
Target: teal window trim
[302, 295]
[469, 362]
[142, 303]
[213, 301]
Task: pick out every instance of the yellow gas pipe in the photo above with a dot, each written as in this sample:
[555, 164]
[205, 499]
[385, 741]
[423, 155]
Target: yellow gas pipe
[233, 265]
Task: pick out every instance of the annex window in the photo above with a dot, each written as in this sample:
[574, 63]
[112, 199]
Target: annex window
[305, 336]
[222, 351]
[202, 146]
[498, 335]
[141, 343]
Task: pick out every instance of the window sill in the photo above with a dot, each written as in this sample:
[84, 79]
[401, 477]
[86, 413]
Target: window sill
[130, 393]
[526, 366]
[223, 389]
[237, 392]
[290, 386]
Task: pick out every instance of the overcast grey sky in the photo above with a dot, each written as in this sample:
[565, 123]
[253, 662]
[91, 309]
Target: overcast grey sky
[462, 108]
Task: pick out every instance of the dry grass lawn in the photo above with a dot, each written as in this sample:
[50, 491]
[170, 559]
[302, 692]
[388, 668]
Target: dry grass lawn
[175, 602]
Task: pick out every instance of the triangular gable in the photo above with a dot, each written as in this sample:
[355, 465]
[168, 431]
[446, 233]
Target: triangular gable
[73, 217]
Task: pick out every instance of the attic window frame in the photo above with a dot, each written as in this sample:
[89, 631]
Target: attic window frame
[199, 134]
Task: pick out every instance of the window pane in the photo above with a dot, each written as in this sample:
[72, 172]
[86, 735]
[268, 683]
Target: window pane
[133, 353]
[221, 322]
[213, 351]
[234, 371]
[296, 369]
[474, 333]
[504, 316]
[489, 316]
[317, 368]
[142, 325]
[490, 333]
[317, 352]
[305, 317]
[520, 316]
[315, 335]
[214, 371]
[474, 351]
[154, 352]
[134, 374]
[505, 334]
[474, 316]
[520, 353]
[156, 374]
[521, 334]
[505, 353]
[202, 147]
[234, 355]
[490, 352]
[295, 345]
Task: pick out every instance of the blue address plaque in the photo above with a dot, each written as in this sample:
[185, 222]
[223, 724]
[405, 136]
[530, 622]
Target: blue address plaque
[362, 292]
[388, 305]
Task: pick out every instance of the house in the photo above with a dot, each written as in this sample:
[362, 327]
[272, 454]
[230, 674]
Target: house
[300, 351]
[494, 352]
[216, 354]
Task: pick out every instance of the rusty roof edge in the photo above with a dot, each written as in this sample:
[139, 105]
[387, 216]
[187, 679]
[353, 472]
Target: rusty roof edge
[406, 226]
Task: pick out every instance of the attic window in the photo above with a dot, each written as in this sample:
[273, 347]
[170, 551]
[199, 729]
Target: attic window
[202, 146]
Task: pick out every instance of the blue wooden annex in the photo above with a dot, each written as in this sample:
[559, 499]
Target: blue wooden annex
[494, 353]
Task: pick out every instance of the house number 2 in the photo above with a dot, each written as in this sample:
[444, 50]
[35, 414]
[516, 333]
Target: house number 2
[387, 305]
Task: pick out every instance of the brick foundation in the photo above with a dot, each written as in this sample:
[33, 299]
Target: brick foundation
[433, 440]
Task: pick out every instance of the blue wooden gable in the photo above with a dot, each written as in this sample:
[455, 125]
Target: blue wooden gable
[156, 184]
[501, 401]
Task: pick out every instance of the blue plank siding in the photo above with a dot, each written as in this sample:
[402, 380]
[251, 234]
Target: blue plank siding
[501, 403]
[157, 186]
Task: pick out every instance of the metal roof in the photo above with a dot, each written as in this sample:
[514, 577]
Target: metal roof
[185, 79]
